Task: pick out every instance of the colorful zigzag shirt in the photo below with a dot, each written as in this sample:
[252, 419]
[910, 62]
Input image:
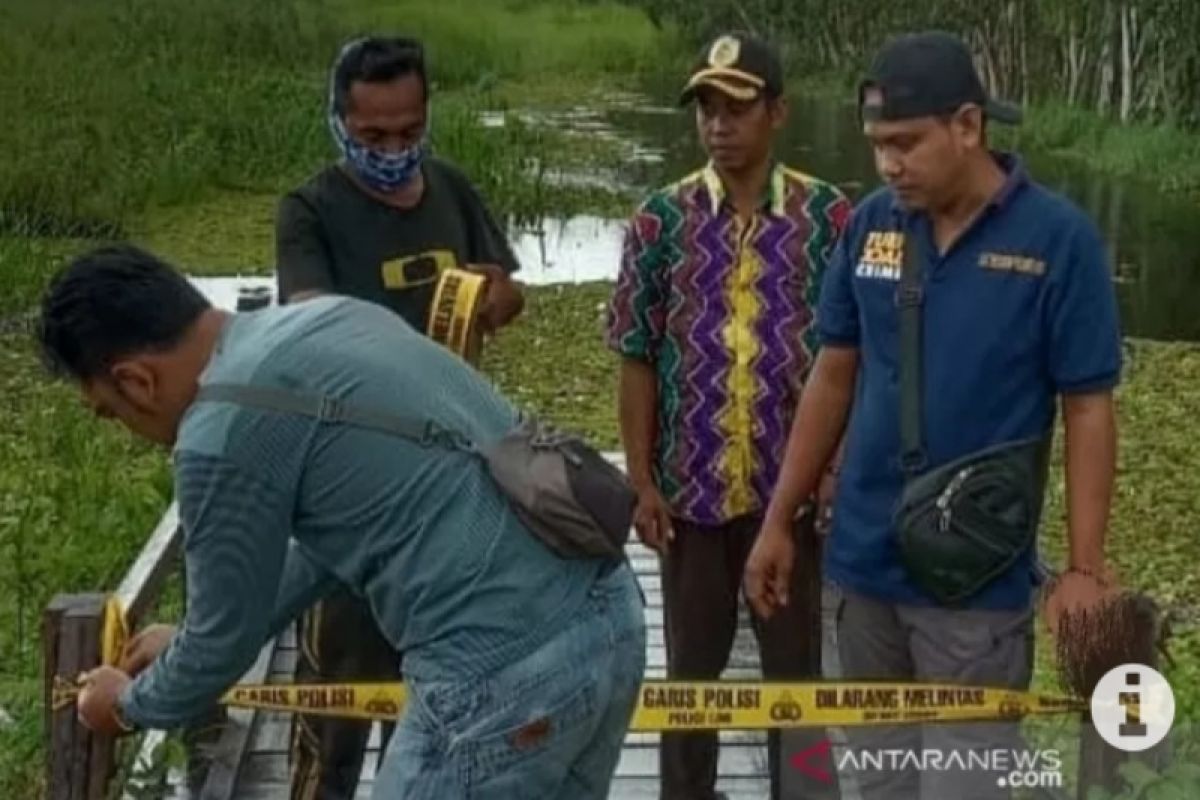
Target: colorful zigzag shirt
[725, 311]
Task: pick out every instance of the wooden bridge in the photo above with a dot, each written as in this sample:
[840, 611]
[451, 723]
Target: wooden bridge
[247, 759]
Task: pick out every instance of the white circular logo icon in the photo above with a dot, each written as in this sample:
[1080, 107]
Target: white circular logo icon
[1133, 707]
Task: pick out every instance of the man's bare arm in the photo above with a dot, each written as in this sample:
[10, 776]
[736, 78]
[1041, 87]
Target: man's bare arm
[816, 432]
[1091, 464]
[1091, 455]
[504, 299]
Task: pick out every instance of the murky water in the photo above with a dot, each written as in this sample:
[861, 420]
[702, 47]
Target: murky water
[1156, 238]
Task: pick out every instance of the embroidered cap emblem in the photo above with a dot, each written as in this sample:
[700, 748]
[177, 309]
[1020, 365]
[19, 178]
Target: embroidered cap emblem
[724, 52]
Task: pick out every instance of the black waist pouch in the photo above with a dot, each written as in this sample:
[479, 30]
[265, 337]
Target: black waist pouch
[967, 522]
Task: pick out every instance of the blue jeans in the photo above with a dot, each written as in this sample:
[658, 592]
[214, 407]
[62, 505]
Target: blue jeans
[549, 726]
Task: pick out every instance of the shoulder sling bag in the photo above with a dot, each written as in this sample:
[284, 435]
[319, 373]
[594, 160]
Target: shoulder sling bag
[568, 495]
[964, 523]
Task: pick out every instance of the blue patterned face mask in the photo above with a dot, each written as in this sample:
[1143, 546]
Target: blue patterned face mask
[382, 171]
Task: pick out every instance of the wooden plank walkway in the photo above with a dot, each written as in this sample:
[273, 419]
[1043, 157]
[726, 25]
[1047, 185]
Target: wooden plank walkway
[250, 762]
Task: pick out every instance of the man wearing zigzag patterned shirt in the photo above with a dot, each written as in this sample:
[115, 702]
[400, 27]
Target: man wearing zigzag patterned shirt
[713, 318]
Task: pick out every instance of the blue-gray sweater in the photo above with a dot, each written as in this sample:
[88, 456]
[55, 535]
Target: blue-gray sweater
[277, 508]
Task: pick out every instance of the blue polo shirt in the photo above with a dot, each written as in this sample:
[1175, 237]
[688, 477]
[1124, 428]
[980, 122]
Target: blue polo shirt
[1021, 308]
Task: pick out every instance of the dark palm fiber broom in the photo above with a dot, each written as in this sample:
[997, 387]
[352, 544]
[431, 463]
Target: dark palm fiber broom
[1126, 628]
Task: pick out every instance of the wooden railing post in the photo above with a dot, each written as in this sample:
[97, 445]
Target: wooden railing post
[78, 762]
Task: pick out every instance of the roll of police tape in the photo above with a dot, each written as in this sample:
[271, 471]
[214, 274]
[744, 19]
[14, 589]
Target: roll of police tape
[719, 705]
[452, 316]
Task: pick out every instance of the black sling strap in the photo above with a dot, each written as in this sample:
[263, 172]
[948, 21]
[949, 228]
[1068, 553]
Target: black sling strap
[909, 298]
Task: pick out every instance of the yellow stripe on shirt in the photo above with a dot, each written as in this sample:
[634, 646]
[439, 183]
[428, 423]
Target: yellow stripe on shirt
[737, 420]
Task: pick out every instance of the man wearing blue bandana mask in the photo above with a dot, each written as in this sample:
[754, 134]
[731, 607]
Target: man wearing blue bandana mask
[381, 171]
[381, 225]
[384, 221]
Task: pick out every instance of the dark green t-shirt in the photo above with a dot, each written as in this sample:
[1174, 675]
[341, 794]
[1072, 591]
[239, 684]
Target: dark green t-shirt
[332, 236]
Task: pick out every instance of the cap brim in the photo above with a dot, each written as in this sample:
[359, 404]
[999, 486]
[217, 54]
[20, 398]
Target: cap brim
[733, 82]
[1005, 113]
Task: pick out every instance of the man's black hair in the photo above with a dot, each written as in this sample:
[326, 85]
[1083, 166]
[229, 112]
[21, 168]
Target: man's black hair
[112, 302]
[377, 60]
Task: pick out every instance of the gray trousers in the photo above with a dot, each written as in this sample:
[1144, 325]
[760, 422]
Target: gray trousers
[883, 641]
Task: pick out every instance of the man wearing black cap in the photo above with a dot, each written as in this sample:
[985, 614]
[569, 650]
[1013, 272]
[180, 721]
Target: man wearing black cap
[713, 318]
[965, 302]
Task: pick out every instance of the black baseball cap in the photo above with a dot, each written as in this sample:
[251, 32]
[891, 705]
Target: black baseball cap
[738, 64]
[927, 74]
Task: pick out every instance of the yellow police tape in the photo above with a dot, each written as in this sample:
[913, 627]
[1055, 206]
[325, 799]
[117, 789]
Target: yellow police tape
[717, 705]
[452, 316]
[115, 632]
[663, 705]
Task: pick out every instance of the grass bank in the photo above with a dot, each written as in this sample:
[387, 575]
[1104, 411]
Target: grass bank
[119, 106]
[1163, 155]
[127, 109]
[77, 498]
